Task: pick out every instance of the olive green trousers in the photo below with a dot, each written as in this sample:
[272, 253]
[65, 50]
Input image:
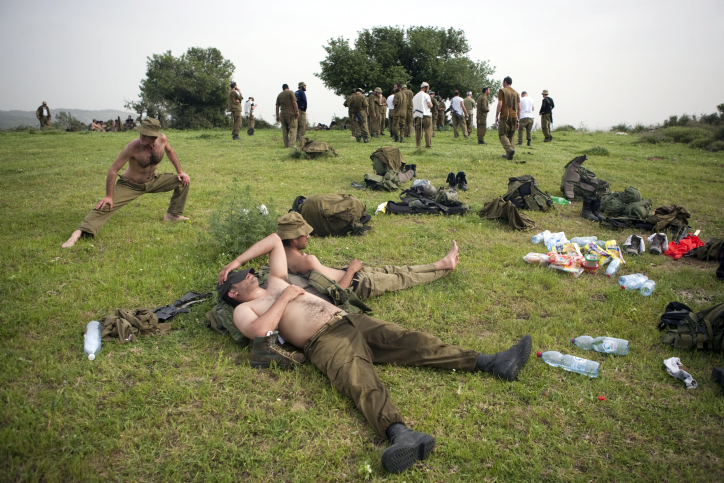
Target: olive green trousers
[289, 128]
[423, 127]
[301, 126]
[346, 348]
[237, 123]
[506, 133]
[126, 191]
[462, 123]
[482, 122]
[526, 124]
[545, 124]
[374, 281]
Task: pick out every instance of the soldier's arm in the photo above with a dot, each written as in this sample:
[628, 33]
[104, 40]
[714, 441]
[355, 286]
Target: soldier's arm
[119, 163]
[354, 267]
[183, 177]
[497, 109]
[296, 107]
[271, 245]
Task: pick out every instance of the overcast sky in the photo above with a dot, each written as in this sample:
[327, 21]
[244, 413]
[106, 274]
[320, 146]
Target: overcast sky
[603, 62]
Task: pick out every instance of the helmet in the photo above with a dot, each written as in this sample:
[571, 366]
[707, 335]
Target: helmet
[429, 191]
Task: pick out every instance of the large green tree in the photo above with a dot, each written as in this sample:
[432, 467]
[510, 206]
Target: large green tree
[385, 55]
[189, 90]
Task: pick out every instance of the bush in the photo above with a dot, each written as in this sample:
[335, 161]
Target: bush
[638, 128]
[716, 146]
[623, 127]
[238, 221]
[260, 123]
[686, 135]
[655, 137]
[564, 128]
[597, 151]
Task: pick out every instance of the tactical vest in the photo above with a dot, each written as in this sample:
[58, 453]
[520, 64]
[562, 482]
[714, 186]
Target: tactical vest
[578, 181]
[523, 192]
[687, 330]
[390, 181]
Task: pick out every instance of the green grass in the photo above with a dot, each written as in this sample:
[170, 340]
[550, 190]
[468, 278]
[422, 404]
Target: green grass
[187, 406]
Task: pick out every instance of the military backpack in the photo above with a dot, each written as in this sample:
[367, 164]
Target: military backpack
[333, 214]
[626, 204]
[712, 250]
[389, 181]
[685, 329]
[578, 181]
[523, 192]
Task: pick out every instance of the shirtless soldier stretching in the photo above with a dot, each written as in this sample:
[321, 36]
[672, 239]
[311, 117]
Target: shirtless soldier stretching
[345, 346]
[142, 155]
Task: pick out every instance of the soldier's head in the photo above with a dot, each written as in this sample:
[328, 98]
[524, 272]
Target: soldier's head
[396, 88]
[378, 91]
[302, 86]
[523, 94]
[45, 103]
[507, 81]
[470, 94]
[545, 93]
[293, 230]
[251, 99]
[404, 86]
[237, 288]
[457, 93]
[486, 90]
[149, 130]
[233, 85]
[285, 87]
[360, 90]
[432, 93]
[424, 87]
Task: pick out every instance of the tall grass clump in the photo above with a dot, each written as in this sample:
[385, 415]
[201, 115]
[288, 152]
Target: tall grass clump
[565, 127]
[623, 127]
[596, 151]
[239, 221]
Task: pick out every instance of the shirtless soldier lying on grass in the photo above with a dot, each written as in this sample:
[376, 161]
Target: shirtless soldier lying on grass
[345, 346]
[142, 156]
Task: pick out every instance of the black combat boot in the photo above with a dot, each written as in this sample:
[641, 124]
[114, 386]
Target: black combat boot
[366, 139]
[507, 364]
[586, 209]
[235, 138]
[412, 167]
[265, 350]
[462, 181]
[402, 140]
[483, 142]
[529, 142]
[595, 205]
[406, 447]
[358, 138]
[519, 143]
[451, 181]
[396, 138]
[717, 373]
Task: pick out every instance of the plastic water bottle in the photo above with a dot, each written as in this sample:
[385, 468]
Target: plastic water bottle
[613, 267]
[540, 237]
[648, 287]
[607, 345]
[570, 363]
[92, 339]
[632, 282]
[583, 240]
[560, 201]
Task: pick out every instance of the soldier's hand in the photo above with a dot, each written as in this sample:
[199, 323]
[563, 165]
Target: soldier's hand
[355, 266]
[225, 271]
[293, 292]
[278, 120]
[184, 178]
[107, 200]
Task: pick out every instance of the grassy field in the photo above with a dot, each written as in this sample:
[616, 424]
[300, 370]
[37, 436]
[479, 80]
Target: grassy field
[187, 406]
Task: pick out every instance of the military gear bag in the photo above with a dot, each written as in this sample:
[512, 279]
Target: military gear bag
[414, 201]
[626, 204]
[390, 181]
[523, 192]
[333, 215]
[611, 204]
[687, 330]
[387, 158]
[578, 181]
[711, 251]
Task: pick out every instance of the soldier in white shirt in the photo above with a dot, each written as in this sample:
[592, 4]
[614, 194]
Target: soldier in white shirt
[526, 117]
[422, 116]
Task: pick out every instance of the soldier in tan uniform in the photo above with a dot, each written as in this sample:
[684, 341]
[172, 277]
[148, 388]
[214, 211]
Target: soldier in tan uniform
[400, 103]
[408, 115]
[357, 106]
[377, 111]
[383, 110]
[482, 115]
[43, 115]
[507, 115]
[469, 104]
[441, 114]
[234, 108]
[433, 111]
[287, 115]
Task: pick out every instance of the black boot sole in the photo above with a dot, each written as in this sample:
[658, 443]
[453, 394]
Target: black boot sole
[398, 457]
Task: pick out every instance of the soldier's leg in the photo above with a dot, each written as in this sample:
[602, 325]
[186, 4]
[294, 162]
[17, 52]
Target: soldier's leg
[511, 131]
[123, 193]
[301, 126]
[418, 130]
[503, 136]
[427, 127]
[545, 125]
[167, 182]
[399, 120]
[455, 126]
[374, 281]
[529, 128]
[292, 129]
[392, 344]
[520, 131]
[469, 125]
[408, 123]
[464, 125]
[342, 355]
[285, 129]
[251, 121]
[365, 131]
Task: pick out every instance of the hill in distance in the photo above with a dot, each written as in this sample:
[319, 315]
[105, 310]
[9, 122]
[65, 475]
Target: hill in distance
[11, 119]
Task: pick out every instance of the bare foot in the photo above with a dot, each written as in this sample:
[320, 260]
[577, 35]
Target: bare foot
[73, 238]
[170, 217]
[451, 260]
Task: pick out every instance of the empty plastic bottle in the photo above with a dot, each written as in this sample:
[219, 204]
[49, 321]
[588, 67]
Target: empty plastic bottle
[648, 287]
[613, 267]
[570, 363]
[608, 345]
[632, 282]
[92, 339]
[540, 236]
[560, 201]
[583, 240]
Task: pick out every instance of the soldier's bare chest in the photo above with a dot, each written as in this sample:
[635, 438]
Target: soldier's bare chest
[149, 156]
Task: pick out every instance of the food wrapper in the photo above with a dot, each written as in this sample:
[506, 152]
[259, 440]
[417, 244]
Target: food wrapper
[541, 259]
[596, 250]
[570, 249]
[614, 251]
[566, 263]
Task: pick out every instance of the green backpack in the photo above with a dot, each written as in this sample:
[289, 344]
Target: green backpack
[630, 195]
[390, 181]
[611, 204]
[626, 204]
[523, 192]
[687, 330]
[711, 251]
[640, 210]
[333, 214]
